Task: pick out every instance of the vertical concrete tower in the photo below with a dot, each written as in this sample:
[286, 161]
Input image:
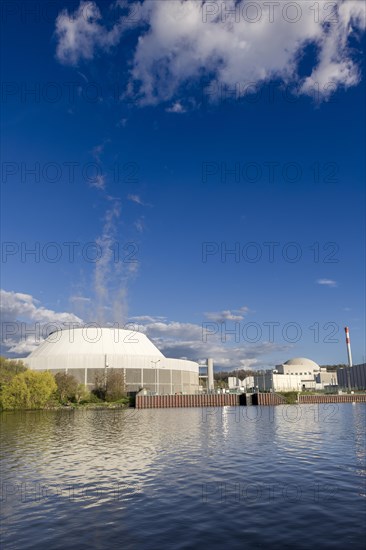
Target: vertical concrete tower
[210, 376]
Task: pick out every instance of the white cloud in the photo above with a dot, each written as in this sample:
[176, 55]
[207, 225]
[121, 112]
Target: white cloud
[25, 322]
[327, 282]
[179, 340]
[80, 35]
[335, 67]
[147, 318]
[181, 42]
[140, 225]
[177, 107]
[98, 182]
[227, 315]
[97, 151]
[80, 299]
[240, 51]
[16, 306]
[135, 198]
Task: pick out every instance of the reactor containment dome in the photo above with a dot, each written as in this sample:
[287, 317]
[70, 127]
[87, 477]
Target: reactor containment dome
[88, 352]
[298, 365]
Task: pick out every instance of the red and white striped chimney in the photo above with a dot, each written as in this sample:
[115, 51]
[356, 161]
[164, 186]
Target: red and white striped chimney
[348, 343]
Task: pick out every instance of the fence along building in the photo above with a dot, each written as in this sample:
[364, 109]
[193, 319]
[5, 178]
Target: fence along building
[88, 352]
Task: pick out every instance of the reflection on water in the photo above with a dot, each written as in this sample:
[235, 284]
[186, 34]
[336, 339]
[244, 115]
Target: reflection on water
[256, 477]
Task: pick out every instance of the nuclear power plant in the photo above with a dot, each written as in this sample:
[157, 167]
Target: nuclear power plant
[89, 352]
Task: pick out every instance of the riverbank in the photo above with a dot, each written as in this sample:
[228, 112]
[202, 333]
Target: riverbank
[204, 400]
[89, 406]
[126, 404]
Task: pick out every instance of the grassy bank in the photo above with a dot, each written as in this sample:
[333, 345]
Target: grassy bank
[290, 396]
[103, 405]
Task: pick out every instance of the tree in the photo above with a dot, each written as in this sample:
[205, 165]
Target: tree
[66, 386]
[110, 386]
[115, 385]
[28, 390]
[99, 386]
[9, 368]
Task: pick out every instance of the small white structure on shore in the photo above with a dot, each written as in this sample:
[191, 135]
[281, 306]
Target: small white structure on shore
[245, 385]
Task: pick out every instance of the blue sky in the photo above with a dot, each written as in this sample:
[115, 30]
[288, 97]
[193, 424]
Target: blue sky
[161, 136]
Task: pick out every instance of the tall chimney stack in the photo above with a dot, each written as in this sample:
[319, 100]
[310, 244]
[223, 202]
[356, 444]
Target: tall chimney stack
[348, 343]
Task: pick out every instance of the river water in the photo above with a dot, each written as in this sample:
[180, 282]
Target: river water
[235, 477]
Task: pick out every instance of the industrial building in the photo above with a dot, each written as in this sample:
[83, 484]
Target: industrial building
[88, 352]
[245, 385]
[296, 374]
[353, 378]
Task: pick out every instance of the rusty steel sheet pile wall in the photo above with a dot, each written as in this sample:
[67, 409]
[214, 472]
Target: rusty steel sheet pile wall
[354, 398]
[172, 401]
[233, 400]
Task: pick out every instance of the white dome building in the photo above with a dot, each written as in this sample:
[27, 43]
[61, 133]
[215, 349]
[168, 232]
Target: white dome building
[89, 351]
[296, 374]
[299, 366]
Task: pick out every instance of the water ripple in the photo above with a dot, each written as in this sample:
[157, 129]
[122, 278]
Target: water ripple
[179, 479]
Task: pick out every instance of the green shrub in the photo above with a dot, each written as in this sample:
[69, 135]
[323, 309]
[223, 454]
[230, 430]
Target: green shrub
[92, 398]
[82, 395]
[28, 390]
